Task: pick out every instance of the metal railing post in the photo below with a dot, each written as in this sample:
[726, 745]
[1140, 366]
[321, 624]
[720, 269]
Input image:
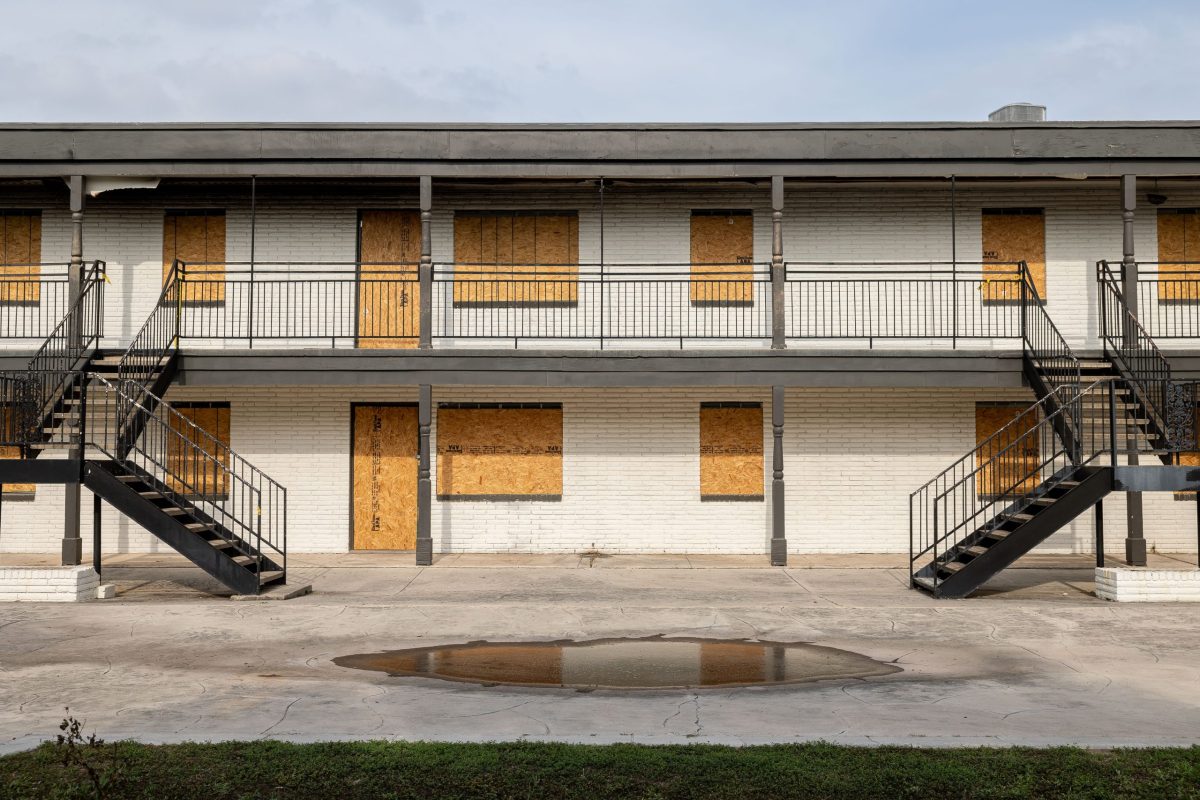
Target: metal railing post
[180, 283]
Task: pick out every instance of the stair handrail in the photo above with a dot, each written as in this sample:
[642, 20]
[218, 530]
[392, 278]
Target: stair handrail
[1136, 354]
[159, 335]
[254, 505]
[1043, 340]
[58, 360]
[957, 488]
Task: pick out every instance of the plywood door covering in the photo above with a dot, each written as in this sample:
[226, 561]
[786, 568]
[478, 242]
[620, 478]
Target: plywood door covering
[1003, 469]
[6, 422]
[389, 289]
[722, 257]
[385, 478]
[20, 257]
[500, 453]
[1178, 242]
[516, 257]
[1009, 238]
[198, 240]
[199, 466]
[731, 453]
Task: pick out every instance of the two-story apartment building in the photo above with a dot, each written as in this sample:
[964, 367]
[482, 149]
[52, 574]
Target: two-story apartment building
[245, 339]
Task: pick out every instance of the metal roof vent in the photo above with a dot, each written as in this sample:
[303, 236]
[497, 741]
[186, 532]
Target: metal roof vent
[1018, 112]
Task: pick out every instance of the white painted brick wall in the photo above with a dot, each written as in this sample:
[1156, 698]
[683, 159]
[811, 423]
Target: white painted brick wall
[1148, 585]
[48, 584]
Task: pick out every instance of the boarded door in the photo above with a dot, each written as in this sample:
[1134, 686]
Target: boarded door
[197, 238]
[731, 451]
[722, 256]
[389, 251]
[20, 255]
[516, 257]
[1011, 235]
[1009, 464]
[384, 477]
[1178, 242]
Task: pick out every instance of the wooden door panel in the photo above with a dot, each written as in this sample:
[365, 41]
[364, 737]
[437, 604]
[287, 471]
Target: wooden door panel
[384, 478]
[389, 291]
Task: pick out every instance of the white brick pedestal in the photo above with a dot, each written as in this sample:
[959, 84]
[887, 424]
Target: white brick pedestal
[48, 584]
[1140, 585]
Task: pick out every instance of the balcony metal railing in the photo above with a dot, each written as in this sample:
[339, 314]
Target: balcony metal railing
[346, 304]
[1168, 296]
[33, 299]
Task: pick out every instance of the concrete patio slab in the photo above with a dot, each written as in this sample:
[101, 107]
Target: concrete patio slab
[1034, 660]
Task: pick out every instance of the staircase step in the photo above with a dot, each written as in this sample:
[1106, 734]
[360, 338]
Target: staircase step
[997, 533]
[129, 479]
[220, 544]
[174, 511]
[270, 576]
[151, 495]
[951, 566]
[1045, 501]
[977, 550]
[200, 526]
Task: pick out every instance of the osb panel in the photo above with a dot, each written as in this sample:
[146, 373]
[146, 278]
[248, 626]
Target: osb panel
[198, 240]
[389, 297]
[534, 664]
[1178, 241]
[20, 253]
[726, 662]
[722, 259]
[731, 452]
[516, 258]
[1012, 238]
[490, 452]
[1190, 458]
[198, 465]
[12, 452]
[1006, 475]
[385, 478]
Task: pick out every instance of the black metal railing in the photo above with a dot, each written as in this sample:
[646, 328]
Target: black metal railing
[189, 466]
[876, 301]
[55, 367]
[1168, 299]
[1133, 349]
[158, 337]
[18, 413]
[33, 299]
[1010, 469]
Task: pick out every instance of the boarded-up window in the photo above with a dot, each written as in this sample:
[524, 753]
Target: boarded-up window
[508, 451]
[385, 477]
[525, 257]
[1008, 465]
[389, 250]
[1190, 458]
[20, 256]
[1178, 254]
[1011, 235]
[196, 461]
[731, 451]
[9, 427]
[197, 238]
[722, 256]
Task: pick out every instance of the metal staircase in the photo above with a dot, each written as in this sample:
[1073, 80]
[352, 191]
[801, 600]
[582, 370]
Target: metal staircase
[105, 415]
[1059, 457]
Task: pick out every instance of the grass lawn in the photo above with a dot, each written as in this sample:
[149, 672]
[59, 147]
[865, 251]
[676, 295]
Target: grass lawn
[266, 769]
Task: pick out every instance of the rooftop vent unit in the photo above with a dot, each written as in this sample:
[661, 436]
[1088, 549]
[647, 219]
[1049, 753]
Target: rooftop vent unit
[1018, 112]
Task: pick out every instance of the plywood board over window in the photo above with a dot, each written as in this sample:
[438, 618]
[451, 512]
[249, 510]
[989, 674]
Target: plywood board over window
[198, 453]
[1010, 463]
[500, 451]
[20, 256]
[389, 291]
[197, 238]
[722, 255]
[731, 451]
[1011, 235]
[384, 477]
[8, 427]
[516, 257]
[1179, 254]
[1190, 458]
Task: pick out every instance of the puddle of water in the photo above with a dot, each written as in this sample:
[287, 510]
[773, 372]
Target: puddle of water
[653, 663]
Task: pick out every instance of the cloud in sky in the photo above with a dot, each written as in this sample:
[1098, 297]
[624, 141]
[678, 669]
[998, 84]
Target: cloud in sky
[618, 60]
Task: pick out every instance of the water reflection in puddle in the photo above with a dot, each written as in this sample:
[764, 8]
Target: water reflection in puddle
[653, 663]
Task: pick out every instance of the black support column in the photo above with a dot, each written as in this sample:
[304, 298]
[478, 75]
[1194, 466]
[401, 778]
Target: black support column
[426, 268]
[1135, 540]
[424, 484]
[778, 318]
[778, 517]
[72, 543]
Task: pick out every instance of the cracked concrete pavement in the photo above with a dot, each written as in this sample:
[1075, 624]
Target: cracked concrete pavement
[1036, 660]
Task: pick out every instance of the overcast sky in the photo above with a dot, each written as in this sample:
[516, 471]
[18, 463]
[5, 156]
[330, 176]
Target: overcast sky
[597, 61]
